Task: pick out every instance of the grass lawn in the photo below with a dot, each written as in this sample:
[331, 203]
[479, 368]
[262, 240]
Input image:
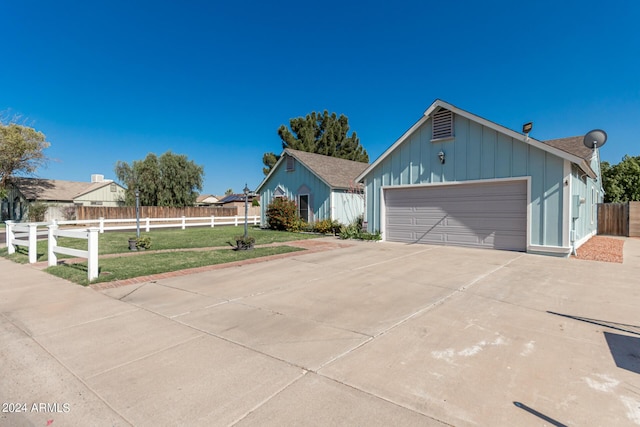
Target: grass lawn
[194, 237]
[126, 267]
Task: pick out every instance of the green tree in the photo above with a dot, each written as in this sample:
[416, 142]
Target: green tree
[228, 192]
[21, 152]
[621, 182]
[319, 133]
[168, 180]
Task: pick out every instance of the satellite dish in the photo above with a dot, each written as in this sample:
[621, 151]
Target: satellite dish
[595, 139]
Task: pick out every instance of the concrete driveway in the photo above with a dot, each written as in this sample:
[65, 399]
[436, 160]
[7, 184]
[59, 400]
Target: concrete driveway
[374, 334]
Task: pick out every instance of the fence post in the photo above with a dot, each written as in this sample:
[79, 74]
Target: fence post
[33, 243]
[10, 236]
[183, 222]
[147, 225]
[101, 224]
[213, 219]
[92, 261]
[52, 242]
[236, 220]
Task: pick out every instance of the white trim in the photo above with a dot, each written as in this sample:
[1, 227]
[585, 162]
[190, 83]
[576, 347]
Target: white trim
[472, 181]
[566, 203]
[527, 179]
[484, 122]
[383, 215]
[542, 249]
[332, 205]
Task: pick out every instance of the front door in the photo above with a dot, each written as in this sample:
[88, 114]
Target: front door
[303, 207]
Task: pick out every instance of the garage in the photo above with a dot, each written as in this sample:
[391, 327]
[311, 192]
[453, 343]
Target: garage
[488, 215]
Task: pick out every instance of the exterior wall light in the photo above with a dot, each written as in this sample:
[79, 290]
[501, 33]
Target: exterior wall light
[441, 157]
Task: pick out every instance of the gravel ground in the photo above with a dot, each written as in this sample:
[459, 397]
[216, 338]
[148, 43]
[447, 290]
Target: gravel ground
[600, 248]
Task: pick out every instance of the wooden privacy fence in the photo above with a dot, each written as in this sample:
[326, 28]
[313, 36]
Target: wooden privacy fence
[619, 219]
[121, 212]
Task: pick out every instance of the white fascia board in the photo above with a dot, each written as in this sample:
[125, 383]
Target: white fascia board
[389, 150]
[273, 169]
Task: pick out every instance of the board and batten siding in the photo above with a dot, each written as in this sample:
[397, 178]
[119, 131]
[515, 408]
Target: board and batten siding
[294, 183]
[475, 153]
[104, 196]
[347, 206]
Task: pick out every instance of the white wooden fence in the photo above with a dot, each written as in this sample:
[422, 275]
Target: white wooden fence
[26, 234]
[91, 254]
[16, 234]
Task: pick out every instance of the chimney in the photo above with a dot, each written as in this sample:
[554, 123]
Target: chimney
[97, 178]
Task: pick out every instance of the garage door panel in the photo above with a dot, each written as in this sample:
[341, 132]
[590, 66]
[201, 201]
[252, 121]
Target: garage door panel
[484, 215]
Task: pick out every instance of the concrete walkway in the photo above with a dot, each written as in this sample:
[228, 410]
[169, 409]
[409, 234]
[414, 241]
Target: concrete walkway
[372, 334]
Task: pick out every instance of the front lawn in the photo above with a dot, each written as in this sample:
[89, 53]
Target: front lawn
[195, 237]
[144, 264]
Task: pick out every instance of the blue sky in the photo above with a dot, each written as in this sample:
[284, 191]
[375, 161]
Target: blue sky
[115, 80]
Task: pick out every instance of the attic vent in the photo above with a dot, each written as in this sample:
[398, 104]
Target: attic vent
[291, 164]
[279, 192]
[442, 124]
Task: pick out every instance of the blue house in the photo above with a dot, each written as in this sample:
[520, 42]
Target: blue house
[455, 178]
[323, 187]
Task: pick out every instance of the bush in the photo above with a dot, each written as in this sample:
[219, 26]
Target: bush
[355, 231]
[282, 214]
[326, 226]
[143, 242]
[69, 213]
[36, 212]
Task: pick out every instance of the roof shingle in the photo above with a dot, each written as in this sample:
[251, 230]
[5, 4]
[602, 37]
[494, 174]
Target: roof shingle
[338, 173]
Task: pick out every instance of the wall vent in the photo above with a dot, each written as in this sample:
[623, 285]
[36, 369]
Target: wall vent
[442, 124]
[291, 164]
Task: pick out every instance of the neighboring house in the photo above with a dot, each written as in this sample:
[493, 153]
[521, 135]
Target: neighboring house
[455, 178]
[206, 200]
[237, 200]
[58, 195]
[323, 187]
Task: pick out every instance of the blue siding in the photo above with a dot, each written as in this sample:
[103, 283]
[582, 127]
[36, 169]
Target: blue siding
[294, 183]
[476, 152]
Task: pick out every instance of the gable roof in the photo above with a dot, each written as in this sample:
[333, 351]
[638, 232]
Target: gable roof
[54, 189]
[573, 145]
[333, 171]
[438, 104]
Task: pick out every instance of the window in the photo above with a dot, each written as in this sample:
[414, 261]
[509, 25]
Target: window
[96, 203]
[291, 164]
[303, 207]
[442, 125]
[279, 192]
[113, 187]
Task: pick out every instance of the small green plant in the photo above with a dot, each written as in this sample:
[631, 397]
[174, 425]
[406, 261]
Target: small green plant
[36, 212]
[243, 243]
[326, 226]
[355, 231]
[143, 242]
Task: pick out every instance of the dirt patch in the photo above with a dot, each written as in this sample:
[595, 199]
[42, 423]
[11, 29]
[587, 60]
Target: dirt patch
[600, 248]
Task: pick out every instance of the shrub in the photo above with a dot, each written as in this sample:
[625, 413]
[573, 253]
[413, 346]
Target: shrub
[326, 226]
[36, 212]
[69, 212]
[143, 242]
[282, 214]
[355, 231]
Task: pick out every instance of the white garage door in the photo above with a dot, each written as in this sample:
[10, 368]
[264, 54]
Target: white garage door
[491, 215]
